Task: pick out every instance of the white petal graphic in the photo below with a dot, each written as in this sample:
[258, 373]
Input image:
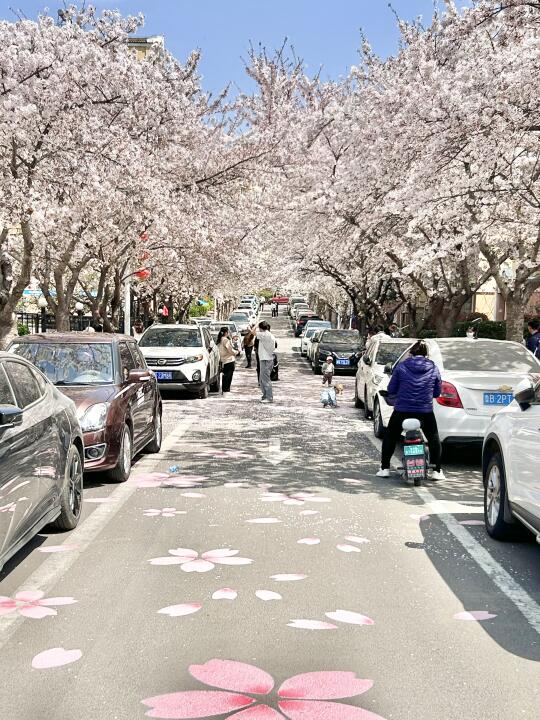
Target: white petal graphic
[309, 512]
[356, 539]
[264, 521]
[267, 595]
[225, 594]
[347, 616]
[309, 541]
[348, 548]
[180, 610]
[311, 625]
[288, 577]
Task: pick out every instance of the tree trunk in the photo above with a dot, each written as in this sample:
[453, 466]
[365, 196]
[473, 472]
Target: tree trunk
[515, 315]
[10, 292]
[444, 315]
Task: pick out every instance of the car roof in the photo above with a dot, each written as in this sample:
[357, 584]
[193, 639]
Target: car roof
[72, 337]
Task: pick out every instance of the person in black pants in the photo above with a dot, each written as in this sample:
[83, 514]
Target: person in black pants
[414, 383]
[227, 355]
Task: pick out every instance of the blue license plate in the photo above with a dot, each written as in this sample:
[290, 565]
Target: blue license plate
[414, 449]
[341, 361]
[498, 398]
[162, 375]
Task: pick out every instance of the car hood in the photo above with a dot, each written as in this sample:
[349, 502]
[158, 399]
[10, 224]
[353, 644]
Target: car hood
[338, 348]
[84, 397]
[169, 352]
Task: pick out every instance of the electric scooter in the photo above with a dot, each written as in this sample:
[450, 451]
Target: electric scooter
[415, 459]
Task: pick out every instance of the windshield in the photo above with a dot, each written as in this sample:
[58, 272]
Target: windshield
[390, 352]
[216, 327]
[240, 317]
[310, 332]
[341, 336]
[482, 356]
[172, 337]
[70, 363]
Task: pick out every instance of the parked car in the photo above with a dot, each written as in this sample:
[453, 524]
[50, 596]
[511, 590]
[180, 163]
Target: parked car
[234, 333]
[249, 310]
[345, 347]
[310, 328]
[510, 461]
[203, 321]
[280, 299]
[313, 344]
[41, 456]
[293, 300]
[478, 378]
[300, 309]
[302, 320]
[382, 352]
[116, 396]
[242, 320]
[183, 357]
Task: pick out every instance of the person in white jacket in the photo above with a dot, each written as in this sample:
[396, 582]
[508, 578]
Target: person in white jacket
[266, 346]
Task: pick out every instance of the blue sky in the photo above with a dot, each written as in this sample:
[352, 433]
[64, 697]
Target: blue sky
[323, 33]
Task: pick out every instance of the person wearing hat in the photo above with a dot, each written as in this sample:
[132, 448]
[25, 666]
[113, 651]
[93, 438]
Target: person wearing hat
[328, 370]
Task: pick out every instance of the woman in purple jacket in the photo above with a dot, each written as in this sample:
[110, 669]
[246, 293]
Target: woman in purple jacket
[415, 382]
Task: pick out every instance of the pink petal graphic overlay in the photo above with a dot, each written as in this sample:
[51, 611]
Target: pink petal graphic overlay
[288, 577]
[195, 704]
[225, 594]
[55, 657]
[258, 712]
[347, 616]
[324, 686]
[348, 548]
[311, 625]
[232, 675]
[319, 710]
[478, 615]
[309, 541]
[180, 610]
[356, 539]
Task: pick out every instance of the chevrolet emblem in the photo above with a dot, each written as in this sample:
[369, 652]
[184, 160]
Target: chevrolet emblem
[505, 389]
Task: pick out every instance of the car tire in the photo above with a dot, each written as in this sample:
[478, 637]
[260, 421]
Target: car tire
[357, 401]
[154, 446]
[368, 414]
[72, 491]
[378, 425]
[215, 387]
[203, 392]
[122, 471]
[495, 500]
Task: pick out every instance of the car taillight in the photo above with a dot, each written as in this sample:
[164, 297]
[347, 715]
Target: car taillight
[449, 396]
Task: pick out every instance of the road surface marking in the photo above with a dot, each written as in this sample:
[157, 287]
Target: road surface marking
[526, 605]
[47, 575]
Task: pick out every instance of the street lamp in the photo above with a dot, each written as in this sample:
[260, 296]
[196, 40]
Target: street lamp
[79, 307]
[42, 303]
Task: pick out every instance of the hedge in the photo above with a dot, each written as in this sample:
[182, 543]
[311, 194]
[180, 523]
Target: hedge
[493, 329]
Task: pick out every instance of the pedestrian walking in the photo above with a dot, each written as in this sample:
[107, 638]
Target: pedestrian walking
[249, 342]
[415, 383]
[533, 341]
[227, 355]
[328, 371]
[274, 309]
[266, 346]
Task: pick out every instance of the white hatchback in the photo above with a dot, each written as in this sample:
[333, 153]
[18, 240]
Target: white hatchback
[478, 379]
[183, 357]
[511, 462]
[370, 375]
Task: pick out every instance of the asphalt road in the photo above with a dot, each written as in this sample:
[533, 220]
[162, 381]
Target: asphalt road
[352, 585]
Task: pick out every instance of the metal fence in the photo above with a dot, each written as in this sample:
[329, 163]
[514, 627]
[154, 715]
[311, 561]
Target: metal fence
[36, 322]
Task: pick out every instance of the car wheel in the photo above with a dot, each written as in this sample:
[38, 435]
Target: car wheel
[72, 491]
[215, 387]
[155, 445]
[378, 425]
[357, 401]
[367, 412]
[123, 468]
[203, 393]
[495, 501]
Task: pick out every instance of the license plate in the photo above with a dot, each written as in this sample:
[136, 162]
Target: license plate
[498, 398]
[162, 375]
[414, 449]
[340, 361]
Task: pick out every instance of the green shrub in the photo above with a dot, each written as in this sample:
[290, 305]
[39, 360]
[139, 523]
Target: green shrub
[22, 329]
[492, 329]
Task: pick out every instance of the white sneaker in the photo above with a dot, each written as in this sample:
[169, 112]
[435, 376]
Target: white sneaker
[438, 475]
[267, 401]
[383, 472]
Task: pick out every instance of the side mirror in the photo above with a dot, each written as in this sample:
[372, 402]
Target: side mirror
[388, 368]
[136, 376]
[367, 361]
[525, 393]
[10, 417]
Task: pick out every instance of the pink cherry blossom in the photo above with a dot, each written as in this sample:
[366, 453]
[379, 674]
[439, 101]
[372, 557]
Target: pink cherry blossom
[309, 696]
[190, 561]
[32, 604]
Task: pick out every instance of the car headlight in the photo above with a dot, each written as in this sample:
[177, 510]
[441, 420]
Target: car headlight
[194, 358]
[94, 417]
[196, 376]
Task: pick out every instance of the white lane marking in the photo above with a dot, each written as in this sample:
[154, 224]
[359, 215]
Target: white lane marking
[526, 605]
[47, 575]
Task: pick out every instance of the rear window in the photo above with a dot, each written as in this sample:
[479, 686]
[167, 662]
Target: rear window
[390, 352]
[479, 356]
[241, 317]
[172, 337]
[340, 336]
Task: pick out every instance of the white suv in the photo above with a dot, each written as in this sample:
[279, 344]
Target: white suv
[511, 462]
[183, 357]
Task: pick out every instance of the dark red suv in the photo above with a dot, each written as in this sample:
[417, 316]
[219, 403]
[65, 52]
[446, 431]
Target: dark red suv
[116, 395]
